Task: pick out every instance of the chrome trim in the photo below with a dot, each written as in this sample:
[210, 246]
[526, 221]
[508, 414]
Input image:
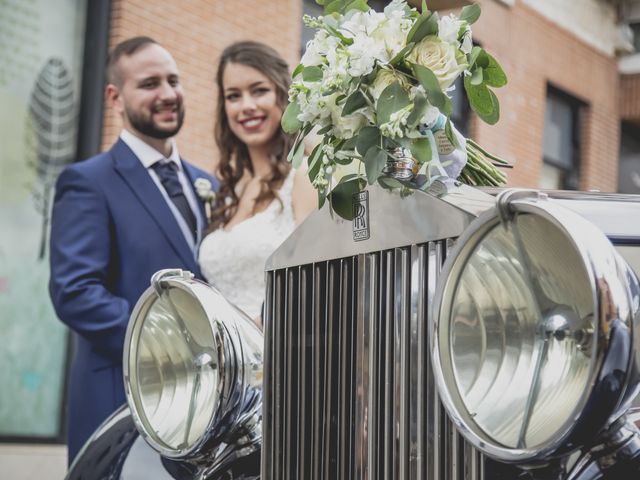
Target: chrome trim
[372, 411]
[239, 354]
[597, 207]
[621, 293]
[398, 221]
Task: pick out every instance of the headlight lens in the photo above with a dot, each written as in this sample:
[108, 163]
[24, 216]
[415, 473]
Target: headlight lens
[521, 378]
[522, 323]
[176, 369]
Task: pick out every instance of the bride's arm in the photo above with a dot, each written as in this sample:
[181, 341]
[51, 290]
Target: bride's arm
[303, 197]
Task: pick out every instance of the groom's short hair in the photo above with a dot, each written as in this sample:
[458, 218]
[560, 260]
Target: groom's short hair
[124, 48]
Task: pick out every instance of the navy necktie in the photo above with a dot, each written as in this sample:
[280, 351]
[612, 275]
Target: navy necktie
[168, 174]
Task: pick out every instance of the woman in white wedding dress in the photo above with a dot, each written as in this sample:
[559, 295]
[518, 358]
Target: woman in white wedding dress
[261, 198]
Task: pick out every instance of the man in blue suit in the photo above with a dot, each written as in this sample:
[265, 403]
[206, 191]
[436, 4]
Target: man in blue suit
[117, 218]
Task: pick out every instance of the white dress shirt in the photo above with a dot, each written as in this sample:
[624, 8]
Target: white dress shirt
[148, 156]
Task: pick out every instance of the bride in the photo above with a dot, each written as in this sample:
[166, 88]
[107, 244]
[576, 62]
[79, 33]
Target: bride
[261, 198]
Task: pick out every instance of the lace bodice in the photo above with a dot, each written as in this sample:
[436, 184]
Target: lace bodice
[233, 261]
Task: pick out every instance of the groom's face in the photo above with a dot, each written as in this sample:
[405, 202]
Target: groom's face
[149, 95]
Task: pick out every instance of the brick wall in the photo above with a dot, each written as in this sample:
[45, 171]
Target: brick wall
[195, 32]
[535, 52]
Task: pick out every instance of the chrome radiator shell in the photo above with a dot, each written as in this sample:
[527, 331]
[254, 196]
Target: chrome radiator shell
[349, 391]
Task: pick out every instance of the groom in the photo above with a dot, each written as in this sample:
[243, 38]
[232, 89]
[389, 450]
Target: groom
[117, 218]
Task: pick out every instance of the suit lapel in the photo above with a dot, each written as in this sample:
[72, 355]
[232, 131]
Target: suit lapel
[137, 178]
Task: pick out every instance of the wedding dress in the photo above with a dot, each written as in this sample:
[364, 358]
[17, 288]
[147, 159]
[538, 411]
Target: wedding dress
[233, 261]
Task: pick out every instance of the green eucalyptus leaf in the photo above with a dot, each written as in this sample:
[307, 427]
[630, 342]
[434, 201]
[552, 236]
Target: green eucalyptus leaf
[348, 177]
[354, 102]
[400, 56]
[421, 150]
[476, 76]
[298, 153]
[473, 56]
[494, 76]
[470, 13]
[437, 99]
[448, 130]
[297, 71]
[420, 104]
[315, 162]
[494, 116]
[418, 24]
[334, 6]
[342, 197]
[290, 122]
[447, 106]
[483, 58]
[349, 144]
[424, 6]
[429, 82]
[392, 99]
[374, 161]
[389, 183]
[312, 74]
[426, 77]
[326, 129]
[427, 24]
[367, 137]
[334, 31]
[482, 101]
[321, 2]
[479, 98]
[357, 5]
[322, 197]
[343, 161]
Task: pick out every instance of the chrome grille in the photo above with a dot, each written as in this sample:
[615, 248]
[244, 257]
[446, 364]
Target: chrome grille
[349, 391]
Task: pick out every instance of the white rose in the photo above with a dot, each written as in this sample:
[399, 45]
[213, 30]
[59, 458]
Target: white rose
[439, 57]
[347, 126]
[383, 79]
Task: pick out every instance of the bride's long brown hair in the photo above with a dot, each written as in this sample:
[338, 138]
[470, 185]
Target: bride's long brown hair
[234, 154]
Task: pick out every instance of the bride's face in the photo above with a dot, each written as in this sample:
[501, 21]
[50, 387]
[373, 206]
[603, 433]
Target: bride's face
[251, 105]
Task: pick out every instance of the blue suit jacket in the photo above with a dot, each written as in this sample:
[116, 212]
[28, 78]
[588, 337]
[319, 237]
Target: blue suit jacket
[111, 230]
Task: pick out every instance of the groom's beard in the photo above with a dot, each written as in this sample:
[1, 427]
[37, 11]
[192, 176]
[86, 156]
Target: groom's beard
[147, 126]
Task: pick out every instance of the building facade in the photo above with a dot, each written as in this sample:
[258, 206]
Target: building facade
[570, 118]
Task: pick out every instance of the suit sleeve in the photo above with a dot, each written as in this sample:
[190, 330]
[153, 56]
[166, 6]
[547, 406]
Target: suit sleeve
[81, 249]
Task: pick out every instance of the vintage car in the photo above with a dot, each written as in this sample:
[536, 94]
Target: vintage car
[465, 334]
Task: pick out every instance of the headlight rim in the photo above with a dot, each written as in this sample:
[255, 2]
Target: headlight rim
[568, 222]
[184, 281]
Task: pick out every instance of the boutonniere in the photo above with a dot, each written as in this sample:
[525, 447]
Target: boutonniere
[206, 193]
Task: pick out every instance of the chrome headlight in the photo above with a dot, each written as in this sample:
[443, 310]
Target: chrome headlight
[191, 360]
[533, 331]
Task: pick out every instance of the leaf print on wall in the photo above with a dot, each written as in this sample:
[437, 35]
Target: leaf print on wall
[51, 135]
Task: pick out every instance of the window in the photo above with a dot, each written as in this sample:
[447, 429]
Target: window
[629, 168]
[635, 28]
[561, 147]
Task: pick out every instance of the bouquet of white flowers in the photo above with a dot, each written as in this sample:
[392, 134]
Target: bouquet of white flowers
[375, 86]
